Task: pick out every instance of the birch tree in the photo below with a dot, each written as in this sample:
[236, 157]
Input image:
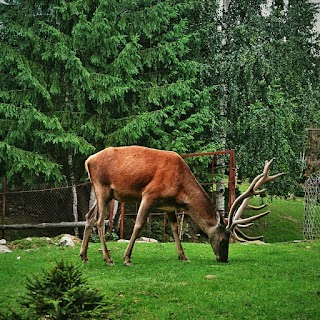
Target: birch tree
[272, 72]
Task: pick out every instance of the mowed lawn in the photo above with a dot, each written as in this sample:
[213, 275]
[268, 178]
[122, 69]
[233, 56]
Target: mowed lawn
[275, 281]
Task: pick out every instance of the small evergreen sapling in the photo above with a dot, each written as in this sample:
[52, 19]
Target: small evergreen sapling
[61, 293]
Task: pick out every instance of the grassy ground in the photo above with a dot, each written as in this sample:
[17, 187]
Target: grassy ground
[277, 281]
[283, 223]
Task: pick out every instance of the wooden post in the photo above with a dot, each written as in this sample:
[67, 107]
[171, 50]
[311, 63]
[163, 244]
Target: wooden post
[121, 220]
[111, 209]
[164, 227]
[149, 223]
[212, 174]
[4, 204]
[74, 194]
[232, 179]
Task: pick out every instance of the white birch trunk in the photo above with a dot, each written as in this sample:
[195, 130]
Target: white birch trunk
[220, 186]
[74, 194]
[92, 198]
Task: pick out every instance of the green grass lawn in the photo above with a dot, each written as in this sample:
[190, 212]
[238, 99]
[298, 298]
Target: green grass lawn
[283, 223]
[277, 281]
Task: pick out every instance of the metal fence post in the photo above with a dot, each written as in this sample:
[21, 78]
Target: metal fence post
[232, 179]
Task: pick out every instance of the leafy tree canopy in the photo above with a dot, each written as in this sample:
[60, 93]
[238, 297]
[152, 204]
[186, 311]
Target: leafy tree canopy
[271, 74]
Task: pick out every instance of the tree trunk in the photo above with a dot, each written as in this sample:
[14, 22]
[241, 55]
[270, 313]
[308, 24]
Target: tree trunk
[115, 215]
[74, 194]
[92, 198]
[220, 186]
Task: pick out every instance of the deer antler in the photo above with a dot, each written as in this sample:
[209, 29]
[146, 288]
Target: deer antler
[241, 203]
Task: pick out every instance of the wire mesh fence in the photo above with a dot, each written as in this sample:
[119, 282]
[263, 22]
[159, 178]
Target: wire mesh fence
[51, 205]
[42, 205]
[28, 210]
[312, 207]
[313, 151]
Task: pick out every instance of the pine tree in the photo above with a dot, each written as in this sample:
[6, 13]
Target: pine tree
[164, 106]
[81, 75]
[42, 93]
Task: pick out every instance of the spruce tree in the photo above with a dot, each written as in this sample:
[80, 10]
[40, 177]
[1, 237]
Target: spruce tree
[77, 76]
[43, 86]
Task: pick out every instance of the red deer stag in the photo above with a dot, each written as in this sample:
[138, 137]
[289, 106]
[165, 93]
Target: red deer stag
[162, 180]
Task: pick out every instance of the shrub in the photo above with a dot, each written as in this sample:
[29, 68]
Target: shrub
[60, 294]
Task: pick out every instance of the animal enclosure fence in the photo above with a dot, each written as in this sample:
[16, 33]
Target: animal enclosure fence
[311, 228]
[43, 208]
[48, 209]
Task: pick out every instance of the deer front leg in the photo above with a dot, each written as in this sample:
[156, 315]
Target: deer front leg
[90, 220]
[174, 227]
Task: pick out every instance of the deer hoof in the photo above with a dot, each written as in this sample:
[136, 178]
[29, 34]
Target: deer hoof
[108, 261]
[127, 262]
[184, 259]
[84, 257]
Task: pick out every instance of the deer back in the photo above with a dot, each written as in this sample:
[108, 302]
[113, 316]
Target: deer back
[131, 172]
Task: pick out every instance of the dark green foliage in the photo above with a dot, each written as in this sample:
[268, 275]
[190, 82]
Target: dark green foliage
[60, 293]
[77, 76]
[42, 94]
[13, 315]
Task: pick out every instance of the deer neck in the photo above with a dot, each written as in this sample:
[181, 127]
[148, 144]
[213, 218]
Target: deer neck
[202, 210]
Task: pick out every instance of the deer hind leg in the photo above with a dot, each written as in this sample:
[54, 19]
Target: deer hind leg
[144, 210]
[174, 227]
[90, 221]
[103, 199]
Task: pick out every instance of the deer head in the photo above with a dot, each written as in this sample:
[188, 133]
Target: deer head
[162, 180]
[235, 223]
[231, 226]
